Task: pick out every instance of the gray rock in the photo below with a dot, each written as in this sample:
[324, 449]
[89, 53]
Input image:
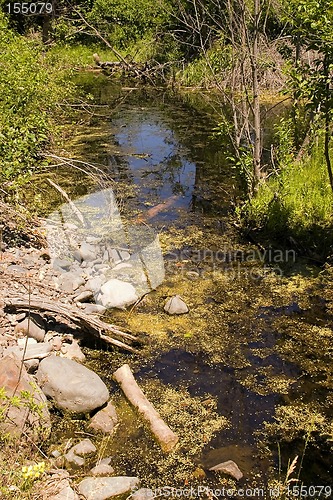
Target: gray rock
[114, 256]
[31, 365]
[61, 264]
[119, 294]
[102, 488]
[33, 351]
[102, 470]
[17, 269]
[65, 493]
[84, 447]
[74, 460]
[175, 305]
[229, 467]
[94, 309]
[34, 328]
[72, 351]
[122, 265]
[124, 255]
[69, 282]
[23, 418]
[104, 420]
[143, 494]
[94, 284]
[72, 386]
[86, 295]
[88, 252]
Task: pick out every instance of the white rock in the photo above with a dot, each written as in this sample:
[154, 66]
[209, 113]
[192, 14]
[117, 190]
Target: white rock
[29, 341]
[116, 293]
[175, 305]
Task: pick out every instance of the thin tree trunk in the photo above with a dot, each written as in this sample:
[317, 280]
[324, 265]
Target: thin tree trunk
[327, 123]
[256, 99]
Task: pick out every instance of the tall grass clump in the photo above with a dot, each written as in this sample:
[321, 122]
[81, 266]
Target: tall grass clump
[31, 89]
[296, 199]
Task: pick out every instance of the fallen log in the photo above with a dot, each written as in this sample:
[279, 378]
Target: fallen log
[86, 322]
[166, 438]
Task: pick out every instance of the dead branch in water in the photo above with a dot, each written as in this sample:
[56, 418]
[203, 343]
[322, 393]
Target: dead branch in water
[166, 438]
[88, 323]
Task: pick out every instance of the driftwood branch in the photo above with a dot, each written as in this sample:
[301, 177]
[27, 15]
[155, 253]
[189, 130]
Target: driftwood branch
[166, 438]
[74, 208]
[86, 322]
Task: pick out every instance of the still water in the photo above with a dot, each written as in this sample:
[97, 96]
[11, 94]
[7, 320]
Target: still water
[238, 353]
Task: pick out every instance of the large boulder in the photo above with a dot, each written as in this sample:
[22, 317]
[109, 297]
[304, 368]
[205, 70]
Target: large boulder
[116, 293]
[72, 386]
[101, 488]
[31, 416]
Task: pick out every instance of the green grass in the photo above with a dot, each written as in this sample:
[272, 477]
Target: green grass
[297, 201]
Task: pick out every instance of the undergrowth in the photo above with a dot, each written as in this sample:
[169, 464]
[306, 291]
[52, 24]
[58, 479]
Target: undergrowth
[295, 201]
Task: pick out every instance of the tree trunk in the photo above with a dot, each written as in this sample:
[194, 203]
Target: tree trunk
[256, 100]
[327, 121]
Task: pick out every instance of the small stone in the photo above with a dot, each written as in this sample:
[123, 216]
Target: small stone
[124, 255]
[26, 341]
[33, 327]
[74, 460]
[102, 488]
[65, 493]
[31, 365]
[84, 447]
[193, 275]
[17, 269]
[114, 256]
[56, 343]
[88, 252]
[102, 470]
[229, 467]
[143, 494]
[175, 305]
[72, 351]
[56, 453]
[105, 420]
[61, 264]
[35, 351]
[86, 295]
[94, 309]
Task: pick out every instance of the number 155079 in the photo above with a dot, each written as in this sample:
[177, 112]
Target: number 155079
[30, 8]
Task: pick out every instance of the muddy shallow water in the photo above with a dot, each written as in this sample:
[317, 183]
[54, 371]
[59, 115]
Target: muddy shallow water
[245, 376]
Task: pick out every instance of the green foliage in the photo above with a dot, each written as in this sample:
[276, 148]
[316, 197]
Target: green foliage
[127, 21]
[30, 90]
[296, 199]
[206, 70]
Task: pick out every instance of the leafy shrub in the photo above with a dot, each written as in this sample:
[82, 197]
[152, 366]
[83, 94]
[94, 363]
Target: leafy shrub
[127, 21]
[30, 89]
